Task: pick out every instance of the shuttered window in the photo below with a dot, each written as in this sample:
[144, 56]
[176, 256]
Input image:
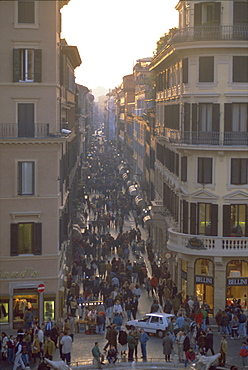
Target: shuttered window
[184, 169]
[240, 69]
[240, 13]
[26, 11]
[27, 65]
[185, 67]
[185, 217]
[239, 171]
[26, 238]
[206, 69]
[205, 166]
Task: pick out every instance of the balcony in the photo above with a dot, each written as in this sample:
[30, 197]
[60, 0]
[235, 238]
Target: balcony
[208, 33]
[206, 138]
[10, 131]
[210, 246]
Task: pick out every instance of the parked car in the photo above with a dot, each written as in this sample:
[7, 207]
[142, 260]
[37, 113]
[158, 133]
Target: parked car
[155, 323]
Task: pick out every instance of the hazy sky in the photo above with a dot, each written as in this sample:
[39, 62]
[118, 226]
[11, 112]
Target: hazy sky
[112, 34]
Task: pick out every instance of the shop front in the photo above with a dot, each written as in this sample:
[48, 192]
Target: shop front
[23, 297]
[204, 281]
[237, 282]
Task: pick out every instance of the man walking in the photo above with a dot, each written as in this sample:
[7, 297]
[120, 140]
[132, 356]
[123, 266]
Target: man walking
[66, 342]
[144, 337]
[97, 355]
[18, 355]
[223, 351]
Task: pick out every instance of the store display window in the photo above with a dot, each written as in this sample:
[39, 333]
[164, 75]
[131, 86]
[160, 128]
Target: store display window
[49, 309]
[204, 281]
[237, 283]
[4, 310]
[24, 299]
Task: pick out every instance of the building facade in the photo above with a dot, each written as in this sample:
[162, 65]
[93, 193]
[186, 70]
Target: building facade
[200, 213]
[39, 159]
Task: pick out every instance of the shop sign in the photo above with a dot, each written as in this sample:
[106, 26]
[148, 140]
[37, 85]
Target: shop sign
[237, 281]
[208, 280]
[184, 274]
[195, 243]
[26, 273]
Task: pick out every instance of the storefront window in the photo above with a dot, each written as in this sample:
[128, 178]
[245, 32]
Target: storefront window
[204, 281]
[49, 309]
[22, 300]
[237, 282]
[4, 311]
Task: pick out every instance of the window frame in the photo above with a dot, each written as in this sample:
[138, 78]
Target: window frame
[241, 165]
[201, 177]
[20, 174]
[35, 24]
[238, 72]
[202, 72]
[36, 238]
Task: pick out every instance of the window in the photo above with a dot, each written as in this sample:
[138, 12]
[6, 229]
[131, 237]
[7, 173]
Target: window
[240, 69]
[26, 65]
[239, 117]
[239, 171]
[206, 69]
[184, 168]
[26, 11]
[206, 113]
[240, 13]
[25, 238]
[204, 210]
[208, 13]
[238, 219]
[204, 170]
[25, 178]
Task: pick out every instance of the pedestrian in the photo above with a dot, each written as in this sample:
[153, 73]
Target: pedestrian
[97, 355]
[144, 337]
[134, 306]
[112, 355]
[244, 354]
[179, 341]
[209, 341]
[66, 342]
[131, 345]
[189, 357]
[18, 354]
[223, 351]
[122, 339]
[136, 335]
[28, 318]
[175, 304]
[4, 346]
[35, 348]
[234, 325]
[167, 344]
[242, 326]
[49, 348]
[10, 344]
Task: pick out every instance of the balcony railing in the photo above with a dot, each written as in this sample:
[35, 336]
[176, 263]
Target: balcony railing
[208, 245]
[206, 33]
[206, 138]
[10, 131]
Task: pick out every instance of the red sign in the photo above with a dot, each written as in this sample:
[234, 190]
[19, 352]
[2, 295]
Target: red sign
[41, 288]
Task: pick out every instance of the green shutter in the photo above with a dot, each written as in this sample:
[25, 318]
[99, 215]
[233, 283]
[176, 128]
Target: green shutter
[216, 118]
[16, 65]
[185, 217]
[193, 220]
[186, 117]
[197, 14]
[37, 65]
[228, 117]
[226, 220]
[194, 117]
[14, 239]
[37, 238]
[214, 219]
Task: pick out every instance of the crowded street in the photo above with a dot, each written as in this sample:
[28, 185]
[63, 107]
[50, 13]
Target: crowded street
[115, 277]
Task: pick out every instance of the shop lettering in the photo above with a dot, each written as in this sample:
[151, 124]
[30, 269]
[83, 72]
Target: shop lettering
[204, 280]
[26, 273]
[234, 282]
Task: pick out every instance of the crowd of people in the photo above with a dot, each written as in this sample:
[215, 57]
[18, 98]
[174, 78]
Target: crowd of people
[104, 286]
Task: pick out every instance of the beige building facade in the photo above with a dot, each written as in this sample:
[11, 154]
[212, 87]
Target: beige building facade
[200, 213]
[39, 159]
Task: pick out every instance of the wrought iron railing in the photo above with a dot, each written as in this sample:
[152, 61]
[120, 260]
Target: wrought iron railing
[206, 138]
[205, 33]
